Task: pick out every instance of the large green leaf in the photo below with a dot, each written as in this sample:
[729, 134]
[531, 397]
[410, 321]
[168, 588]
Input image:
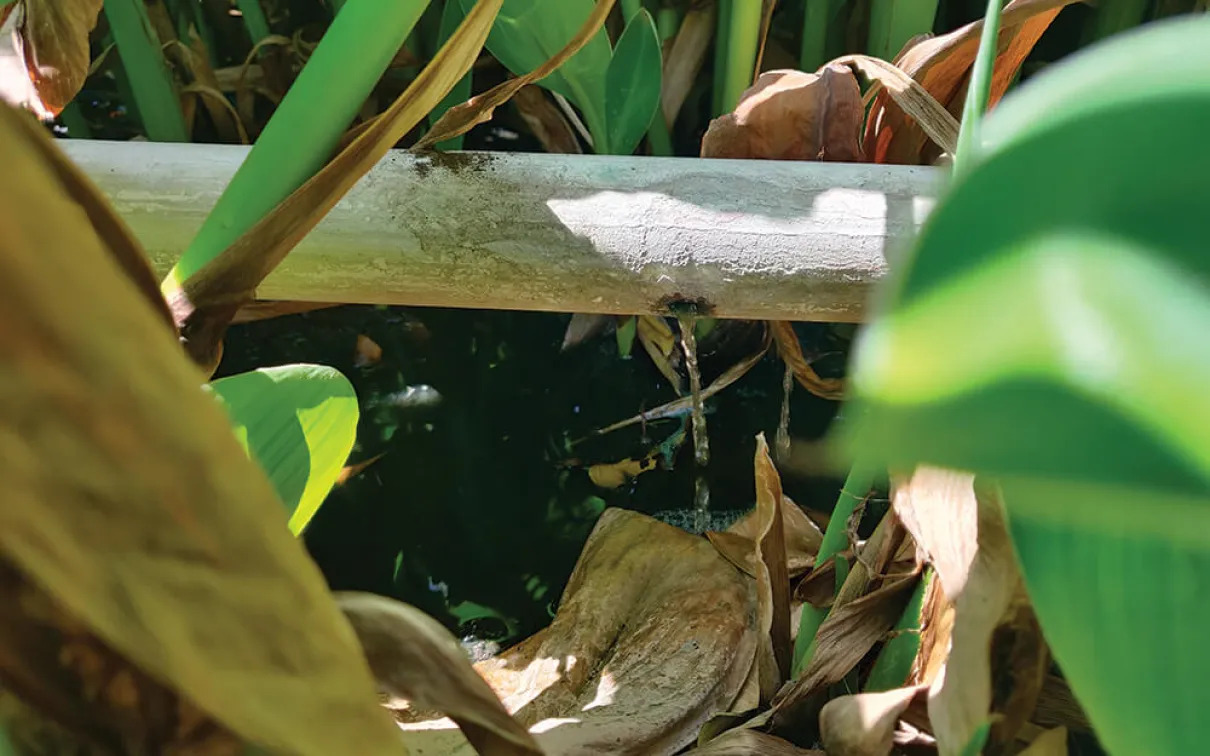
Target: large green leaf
[529, 32]
[632, 84]
[1050, 331]
[299, 422]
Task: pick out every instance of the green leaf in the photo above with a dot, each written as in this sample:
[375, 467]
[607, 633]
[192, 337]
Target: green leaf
[632, 85]
[299, 422]
[625, 334]
[1049, 331]
[529, 32]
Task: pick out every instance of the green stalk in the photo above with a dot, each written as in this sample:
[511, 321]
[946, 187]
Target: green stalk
[668, 22]
[979, 91]
[659, 137]
[307, 125]
[856, 488]
[815, 34]
[894, 22]
[73, 120]
[155, 95]
[898, 654]
[451, 16]
[629, 8]
[721, 45]
[186, 13]
[743, 40]
[254, 19]
[1117, 16]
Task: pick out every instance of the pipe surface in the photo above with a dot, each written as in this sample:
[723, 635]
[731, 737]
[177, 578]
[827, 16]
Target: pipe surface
[762, 240]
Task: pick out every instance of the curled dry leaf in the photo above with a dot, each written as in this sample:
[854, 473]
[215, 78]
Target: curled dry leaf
[655, 633]
[803, 537]
[204, 305]
[966, 539]
[864, 724]
[659, 342]
[130, 502]
[462, 118]
[751, 743]
[791, 115]
[772, 579]
[366, 352]
[417, 661]
[546, 121]
[933, 119]
[941, 65]
[53, 42]
[617, 474]
[790, 351]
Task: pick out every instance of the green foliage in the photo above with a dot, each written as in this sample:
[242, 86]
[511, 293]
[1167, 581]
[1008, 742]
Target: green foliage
[894, 22]
[451, 15]
[1047, 333]
[618, 94]
[150, 82]
[299, 422]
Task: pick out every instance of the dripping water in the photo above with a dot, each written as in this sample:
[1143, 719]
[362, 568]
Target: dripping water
[687, 318]
[781, 445]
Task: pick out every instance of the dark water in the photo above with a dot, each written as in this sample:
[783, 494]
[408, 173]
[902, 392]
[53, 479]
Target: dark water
[478, 509]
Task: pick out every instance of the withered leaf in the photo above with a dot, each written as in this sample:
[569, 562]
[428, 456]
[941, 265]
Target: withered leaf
[617, 474]
[366, 352]
[791, 115]
[659, 342]
[803, 537]
[863, 724]
[942, 66]
[583, 327]
[546, 121]
[417, 660]
[772, 579]
[684, 60]
[54, 44]
[1050, 743]
[655, 633]
[966, 539]
[130, 502]
[790, 351]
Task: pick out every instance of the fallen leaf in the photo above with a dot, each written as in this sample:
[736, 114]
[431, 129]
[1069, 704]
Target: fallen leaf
[803, 537]
[912, 98]
[617, 474]
[685, 59]
[1058, 707]
[751, 743]
[942, 65]
[583, 327]
[790, 351]
[772, 580]
[130, 502]
[351, 471]
[791, 115]
[546, 121]
[416, 660]
[53, 41]
[863, 724]
[204, 305]
[479, 109]
[965, 537]
[1020, 661]
[367, 352]
[206, 87]
[654, 634]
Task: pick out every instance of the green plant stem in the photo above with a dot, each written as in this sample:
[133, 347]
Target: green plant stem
[308, 124]
[73, 120]
[856, 487]
[895, 660]
[894, 22]
[743, 40]
[815, 34]
[979, 90]
[722, 41]
[155, 95]
[629, 8]
[1115, 16]
[254, 19]
[668, 22]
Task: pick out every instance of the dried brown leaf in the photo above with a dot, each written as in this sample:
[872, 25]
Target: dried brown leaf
[659, 342]
[790, 351]
[772, 579]
[684, 60]
[351, 471]
[1050, 743]
[803, 538]
[207, 88]
[366, 352]
[204, 305]
[583, 327]
[912, 98]
[1020, 661]
[129, 501]
[617, 474]
[54, 44]
[864, 724]
[751, 743]
[654, 634]
[417, 661]
[966, 539]
[1058, 707]
[546, 121]
[462, 118]
[942, 66]
[791, 115]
